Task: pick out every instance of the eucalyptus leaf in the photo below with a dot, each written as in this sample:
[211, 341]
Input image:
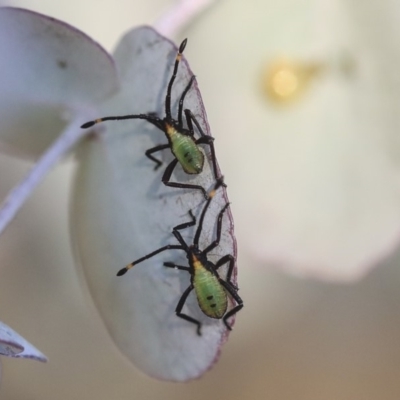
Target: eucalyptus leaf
[122, 211]
[48, 69]
[14, 345]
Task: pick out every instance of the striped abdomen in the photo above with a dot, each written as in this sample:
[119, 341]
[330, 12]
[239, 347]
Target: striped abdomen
[186, 151]
[211, 295]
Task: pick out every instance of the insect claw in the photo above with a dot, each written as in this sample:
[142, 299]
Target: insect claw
[220, 182]
[228, 326]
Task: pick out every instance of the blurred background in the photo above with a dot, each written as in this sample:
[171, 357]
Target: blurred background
[296, 338]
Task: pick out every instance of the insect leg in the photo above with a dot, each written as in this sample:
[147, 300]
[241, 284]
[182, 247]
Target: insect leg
[211, 195]
[232, 291]
[228, 258]
[184, 93]
[167, 176]
[184, 316]
[191, 118]
[154, 150]
[215, 243]
[186, 224]
[204, 139]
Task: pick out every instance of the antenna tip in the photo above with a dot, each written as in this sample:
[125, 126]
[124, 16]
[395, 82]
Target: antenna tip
[88, 124]
[182, 46]
[122, 271]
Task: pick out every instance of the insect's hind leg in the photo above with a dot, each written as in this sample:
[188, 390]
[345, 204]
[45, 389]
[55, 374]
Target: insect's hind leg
[181, 100]
[179, 307]
[233, 292]
[167, 176]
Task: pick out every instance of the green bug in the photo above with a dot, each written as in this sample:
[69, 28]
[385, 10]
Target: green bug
[211, 290]
[181, 140]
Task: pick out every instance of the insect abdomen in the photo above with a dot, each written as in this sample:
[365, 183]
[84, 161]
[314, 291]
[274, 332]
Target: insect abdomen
[187, 153]
[211, 296]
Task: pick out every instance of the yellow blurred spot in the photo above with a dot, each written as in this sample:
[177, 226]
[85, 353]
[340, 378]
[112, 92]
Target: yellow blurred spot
[286, 80]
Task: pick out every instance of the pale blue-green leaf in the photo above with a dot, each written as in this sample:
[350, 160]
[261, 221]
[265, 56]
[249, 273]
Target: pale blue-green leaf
[48, 70]
[315, 184]
[14, 345]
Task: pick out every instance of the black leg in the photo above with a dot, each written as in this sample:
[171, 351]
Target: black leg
[184, 316]
[190, 116]
[184, 93]
[175, 266]
[189, 122]
[230, 313]
[228, 258]
[204, 139]
[154, 150]
[186, 224]
[215, 243]
[236, 297]
[167, 176]
[196, 239]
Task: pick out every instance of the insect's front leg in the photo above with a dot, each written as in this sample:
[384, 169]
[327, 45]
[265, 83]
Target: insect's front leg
[167, 176]
[181, 100]
[154, 150]
[204, 139]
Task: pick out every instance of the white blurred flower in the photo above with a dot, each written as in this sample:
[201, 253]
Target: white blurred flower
[314, 183]
[53, 73]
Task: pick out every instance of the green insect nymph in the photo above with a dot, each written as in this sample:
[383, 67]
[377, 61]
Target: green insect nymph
[211, 296]
[181, 139]
[211, 290]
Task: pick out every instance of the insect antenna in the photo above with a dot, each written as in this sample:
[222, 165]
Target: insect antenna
[139, 260]
[150, 118]
[171, 82]
[181, 100]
